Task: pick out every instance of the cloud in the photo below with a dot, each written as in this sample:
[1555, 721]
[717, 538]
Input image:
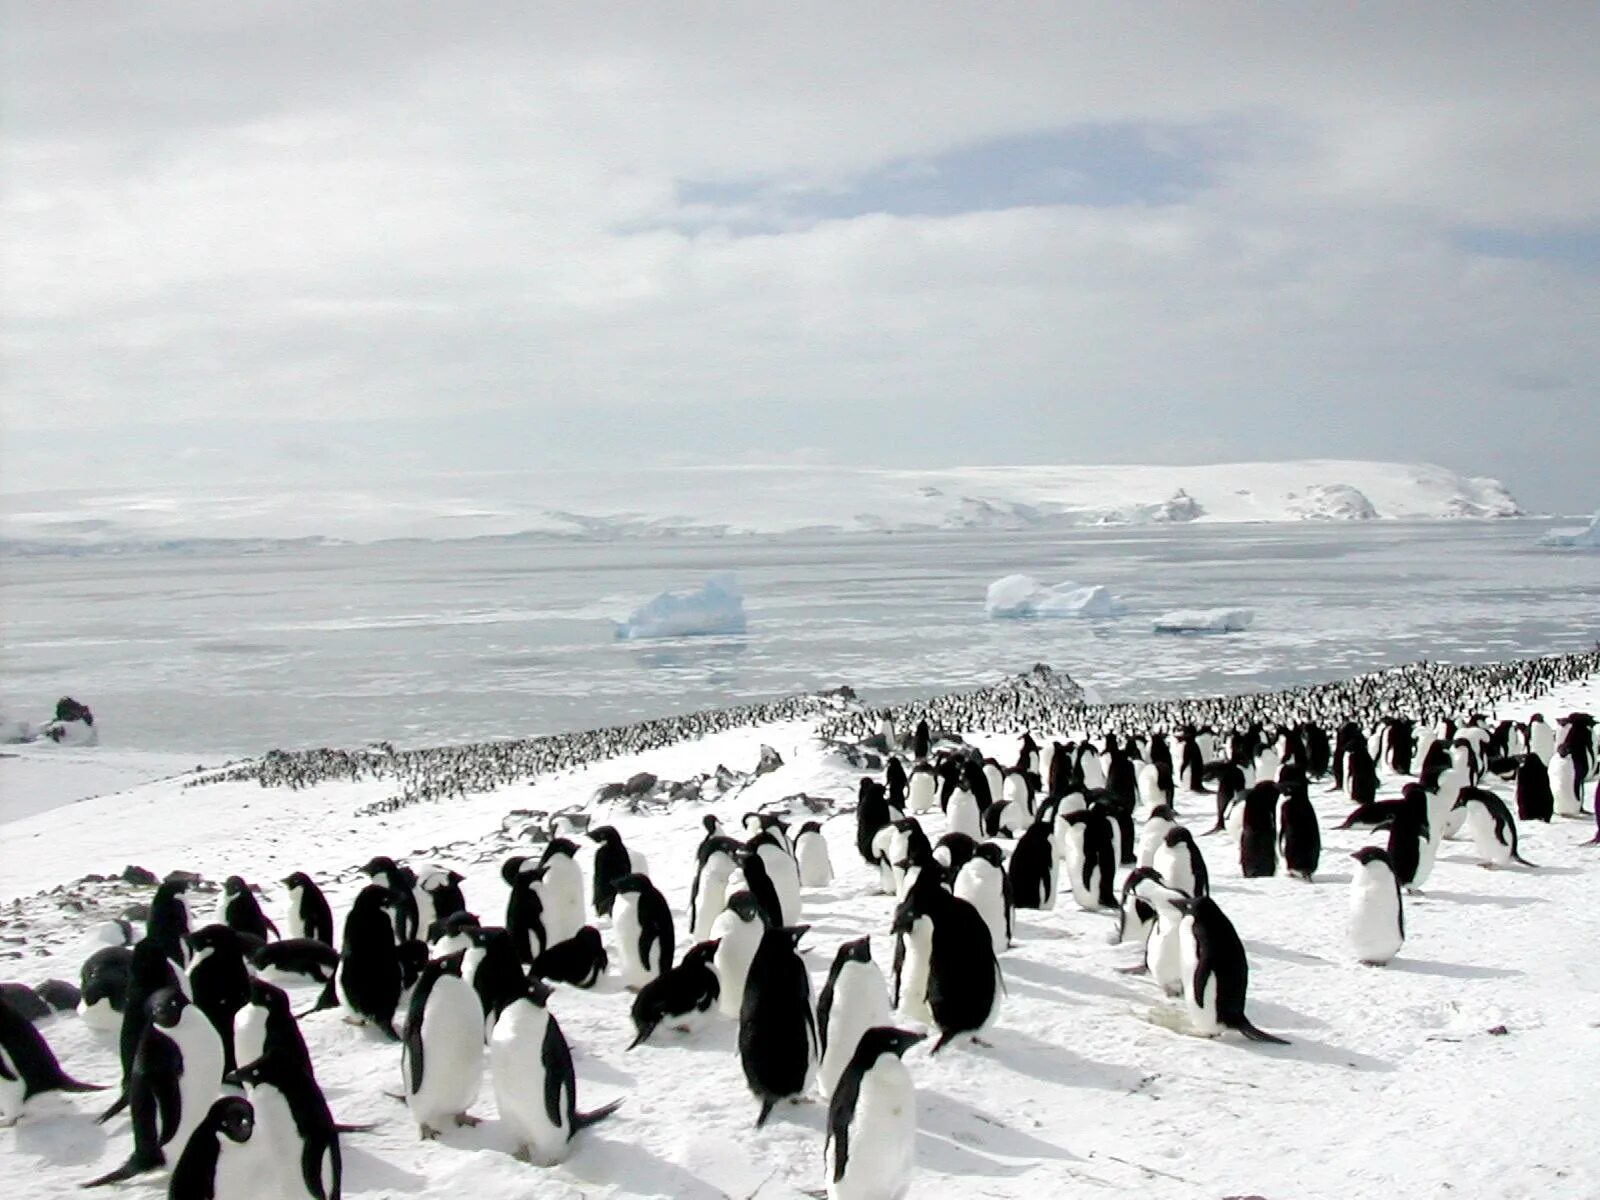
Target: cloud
[1247, 230]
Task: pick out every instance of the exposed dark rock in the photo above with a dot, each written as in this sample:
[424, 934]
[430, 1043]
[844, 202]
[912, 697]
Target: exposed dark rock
[139, 877]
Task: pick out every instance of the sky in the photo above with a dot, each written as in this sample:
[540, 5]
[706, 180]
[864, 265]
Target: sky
[289, 241]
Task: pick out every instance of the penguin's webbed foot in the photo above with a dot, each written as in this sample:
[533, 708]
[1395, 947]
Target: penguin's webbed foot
[467, 1121]
[428, 1133]
[978, 1041]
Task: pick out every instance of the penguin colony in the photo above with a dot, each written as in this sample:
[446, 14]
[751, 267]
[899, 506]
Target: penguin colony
[220, 1091]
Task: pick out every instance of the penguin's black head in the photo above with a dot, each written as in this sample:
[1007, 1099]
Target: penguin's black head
[811, 827]
[710, 823]
[1162, 812]
[1368, 855]
[991, 853]
[605, 835]
[859, 950]
[462, 923]
[234, 1118]
[884, 1039]
[538, 991]
[219, 938]
[264, 995]
[511, 868]
[743, 905]
[794, 933]
[166, 1007]
[557, 846]
[298, 880]
[701, 953]
[631, 883]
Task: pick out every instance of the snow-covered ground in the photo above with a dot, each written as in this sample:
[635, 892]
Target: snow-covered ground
[652, 502]
[1393, 1084]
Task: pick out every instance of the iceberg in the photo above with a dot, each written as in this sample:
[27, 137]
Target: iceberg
[1024, 596]
[1587, 538]
[716, 608]
[1205, 620]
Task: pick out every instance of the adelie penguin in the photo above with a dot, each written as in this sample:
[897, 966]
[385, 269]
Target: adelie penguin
[309, 914]
[267, 1026]
[1180, 863]
[239, 910]
[964, 983]
[295, 1127]
[368, 979]
[149, 972]
[717, 858]
[1216, 973]
[219, 981]
[489, 965]
[870, 1146]
[737, 932]
[402, 904]
[581, 960]
[1258, 848]
[689, 989]
[1032, 870]
[103, 987]
[1494, 831]
[811, 854]
[535, 1085]
[441, 1058]
[1299, 835]
[561, 890]
[1377, 926]
[168, 923]
[210, 1168]
[643, 928]
[777, 1027]
[297, 960]
[855, 998]
[28, 1067]
[176, 1074]
[612, 861]
[981, 882]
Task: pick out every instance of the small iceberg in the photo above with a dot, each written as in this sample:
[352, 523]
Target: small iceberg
[716, 608]
[1575, 539]
[1024, 596]
[1205, 620]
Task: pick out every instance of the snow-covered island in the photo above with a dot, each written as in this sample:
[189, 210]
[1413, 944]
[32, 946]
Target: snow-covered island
[754, 500]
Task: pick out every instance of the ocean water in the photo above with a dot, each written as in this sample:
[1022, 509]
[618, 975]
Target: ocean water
[427, 643]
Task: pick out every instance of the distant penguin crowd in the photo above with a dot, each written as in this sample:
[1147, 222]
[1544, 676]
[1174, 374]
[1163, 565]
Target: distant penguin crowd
[1101, 809]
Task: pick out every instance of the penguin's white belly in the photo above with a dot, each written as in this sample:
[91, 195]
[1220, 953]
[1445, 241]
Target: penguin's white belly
[561, 889]
[625, 928]
[516, 1062]
[296, 923]
[860, 1002]
[816, 869]
[201, 1079]
[11, 1090]
[914, 973]
[1162, 954]
[979, 884]
[1374, 917]
[1490, 848]
[100, 1015]
[249, 1034]
[452, 1054]
[1201, 1000]
[923, 793]
[1233, 820]
[710, 899]
[1542, 741]
[739, 940]
[277, 1145]
[1427, 854]
[883, 1137]
[962, 816]
[1564, 787]
[785, 876]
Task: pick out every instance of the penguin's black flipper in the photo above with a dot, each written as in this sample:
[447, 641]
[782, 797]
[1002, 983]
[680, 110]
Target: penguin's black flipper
[117, 1105]
[328, 999]
[944, 1039]
[66, 1083]
[1253, 1034]
[368, 1128]
[767, 1106]
[137, 1164]
[584, 1120]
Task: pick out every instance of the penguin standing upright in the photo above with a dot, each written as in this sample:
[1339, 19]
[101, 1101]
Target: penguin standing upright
[219, 981]
[1258, 848]
[782, 871]
[525, 912]
[1089, 858]
[402, 902]
[491, 968]
[870, 1146]
[1377, 911]
[535, 1085]
[561, 890]
[922, 792]
[441, 1058]
[176, 1074]
[964, 983]
[981, 882]
[149, 971]
[777, 1027]
[367, 981]
[1032, 870]
[611, 862]
[811, 854]
[1299, 834]
[168, 922]
[1154, 834]
[438, 896]
[239, 910]
[295, 1126]
[717, 859]
[855, 998]
[267, 1026]
[1494, 831]
[642, 926]
[1535, 801]
[1216, 973]
[28, 1067]
[103, 987]
[687, 989]
[309, 914]
[1180, 863]
[737, 932]
[209, 1168]
[1563, 776]
[1163, 950]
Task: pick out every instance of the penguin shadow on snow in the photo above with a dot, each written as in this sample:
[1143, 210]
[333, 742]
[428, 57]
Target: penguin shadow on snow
[952, 1137]
[365, 1172]
[1061, 983]
[631, 1169]
[1051, 1063]
[1305, 1049]
[1415, 966]
[59, 1136]
[1475, 898]
[1281, 954]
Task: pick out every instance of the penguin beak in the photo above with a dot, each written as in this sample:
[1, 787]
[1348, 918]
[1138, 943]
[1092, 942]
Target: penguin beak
[908, 1039]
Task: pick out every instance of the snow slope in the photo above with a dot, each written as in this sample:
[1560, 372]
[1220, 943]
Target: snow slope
[753, 500]
[1079, 1094]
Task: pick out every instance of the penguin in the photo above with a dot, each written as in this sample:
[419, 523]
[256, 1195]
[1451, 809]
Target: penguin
[368, 979]
[1410, 847]
[103, 987]
[921, 740]
[1180, 863]
[1136, 918]
[1494, 832]
[206, 1170]
[1163, 954]
[782, 871]
[854, 999]
[870, 1145]
[267, 1026]
[525, 913]
[611, 862]
[1216, 973]
[964, 981]
[687, 989]
[295, 1127]
[1535, 801]
[760, 886]
[811, 853]
[922, 793]
[641, 922]
[149, 971]
[25, 1002]
[402, 904]
[964, 815]
[309, 914]
[777, 1027]
[981, 882]
[1258, 849]
[1089, 859]
[219, 981]
[717, 859]
[1299, 835]
[873, 813]
[1377, 910]
[176, 1074]
[168, 922]
[954, 851]
[1154, 834]
[238, 909]
[28, 1066]
[441, 1057]
[581, 960]
[1031, 872]
[303, 960]
[737, 932]
[1230, 782]
[438, 896]
[535, 1085]
[491, 968]
[1541, 738]
[913, 951]
[1563, 777]
[560, 888]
